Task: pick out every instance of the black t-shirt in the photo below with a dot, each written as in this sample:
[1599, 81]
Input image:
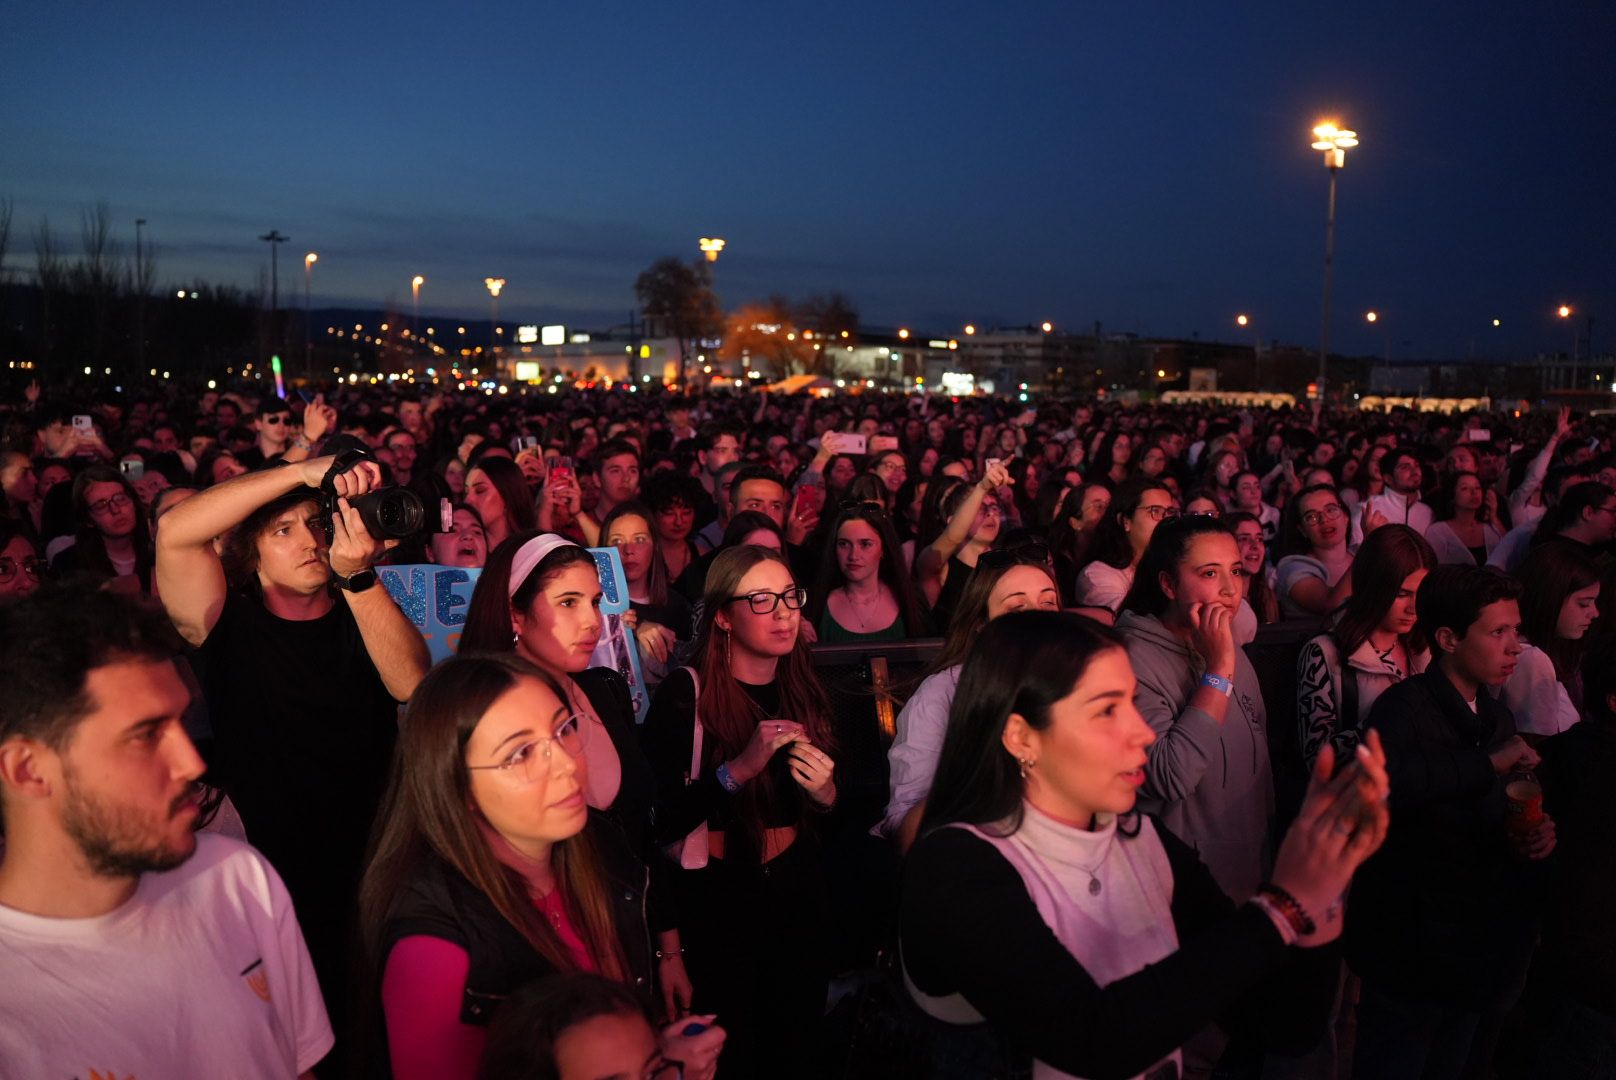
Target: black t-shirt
[303, 733]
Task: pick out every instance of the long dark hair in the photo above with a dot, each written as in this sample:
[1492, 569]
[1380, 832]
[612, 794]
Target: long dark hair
[1442, 508]
[428, 813]
[1022, 663]
[522, 1039]
[746, 523]
[1167, 547]
[933, 518]
[728, 714]
[891, 570]
[1259, 594]
[1551, 573]
[91, 548]
[1111, 544]
[1384, 560]
[656, 578]
[488, 618]
[1291, 539]
[971, 612]
[1568, 510]
[506, 476]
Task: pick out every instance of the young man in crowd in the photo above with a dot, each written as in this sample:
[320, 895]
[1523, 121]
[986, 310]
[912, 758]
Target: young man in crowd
[1399, 503]
[274, 427]
[302, 681]
[130, 946]
[619, 465]
[1441, 920]
[716, 446]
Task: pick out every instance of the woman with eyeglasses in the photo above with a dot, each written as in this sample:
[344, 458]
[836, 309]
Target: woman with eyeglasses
[745, 763]
[1137, 508]
[1209, 777]
[862, 593]
[1314, 572]
[488, 867]
[21, 568]
[111, 542]
[585, 1027]
[1003, 581]
[1372, 647]
[974, 517]
[1045, 918]
[658, 615]
[1203, 501]
[539, 597]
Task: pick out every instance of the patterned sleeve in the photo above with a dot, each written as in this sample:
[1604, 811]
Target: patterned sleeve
[1316, 708]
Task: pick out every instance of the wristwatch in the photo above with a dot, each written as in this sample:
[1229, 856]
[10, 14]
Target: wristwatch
[356, 582]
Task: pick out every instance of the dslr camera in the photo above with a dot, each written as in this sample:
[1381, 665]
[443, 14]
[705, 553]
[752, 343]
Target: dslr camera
[389, 513]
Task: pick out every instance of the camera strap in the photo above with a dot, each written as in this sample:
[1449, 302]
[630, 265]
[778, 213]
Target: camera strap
[344, 461]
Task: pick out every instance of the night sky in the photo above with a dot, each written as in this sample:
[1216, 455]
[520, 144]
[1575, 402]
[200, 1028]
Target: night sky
[1141, 165]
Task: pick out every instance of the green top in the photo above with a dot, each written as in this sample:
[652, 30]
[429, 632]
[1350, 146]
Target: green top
[832, 632]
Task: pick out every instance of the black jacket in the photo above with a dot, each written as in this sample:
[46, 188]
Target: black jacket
[1440, 908]
[1579, 936]
[438, 902]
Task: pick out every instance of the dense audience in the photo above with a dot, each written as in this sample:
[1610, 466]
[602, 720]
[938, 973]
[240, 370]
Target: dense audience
[961, 737]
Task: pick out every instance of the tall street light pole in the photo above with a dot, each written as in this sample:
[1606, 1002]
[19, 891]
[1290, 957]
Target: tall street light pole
[495, 284]
[711, 248]
[1334, 142]
[308, 293]
[1244, 322]
[274, 239]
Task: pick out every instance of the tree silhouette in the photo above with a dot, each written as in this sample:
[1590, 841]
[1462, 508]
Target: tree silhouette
[678, 301]
[768, 335]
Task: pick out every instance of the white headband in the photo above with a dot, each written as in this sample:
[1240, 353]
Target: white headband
[530, 555]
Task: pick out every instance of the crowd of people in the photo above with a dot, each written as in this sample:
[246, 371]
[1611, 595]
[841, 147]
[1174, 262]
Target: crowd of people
[250, 829]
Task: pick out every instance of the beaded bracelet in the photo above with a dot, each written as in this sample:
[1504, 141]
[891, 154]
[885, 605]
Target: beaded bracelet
[669, 954]
[1290, 908]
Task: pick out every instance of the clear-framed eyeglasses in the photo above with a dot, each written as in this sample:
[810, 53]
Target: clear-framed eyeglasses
[1315, 518]
[110, 503]
[530, 762]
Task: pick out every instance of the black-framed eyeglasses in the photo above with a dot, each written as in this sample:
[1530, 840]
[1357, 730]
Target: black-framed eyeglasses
[110, 503]
[33, 566]
[764, 602]
[530, 762]
[1162, 513]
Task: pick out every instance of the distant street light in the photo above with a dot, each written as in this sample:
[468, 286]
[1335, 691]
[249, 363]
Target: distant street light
[1565, 312]
[903, 334]
[1334, 142]
[495, 284]
[415, 301]
[1243, 321]
[308, 291]
[1048, 327]
[970, 329]
[1370, 316]
[711, 246]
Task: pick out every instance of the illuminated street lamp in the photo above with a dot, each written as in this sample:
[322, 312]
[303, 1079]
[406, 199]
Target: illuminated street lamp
[711, 246]
[1048, 327]
[1333, 142]
[970, 328]
[495, 284]
[1243, 321]
[903, 334]
[415, 301]
[308, 290]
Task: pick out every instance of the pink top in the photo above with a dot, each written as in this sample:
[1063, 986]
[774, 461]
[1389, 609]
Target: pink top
[422, 985]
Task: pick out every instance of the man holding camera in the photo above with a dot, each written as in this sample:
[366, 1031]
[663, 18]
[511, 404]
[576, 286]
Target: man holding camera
[302, 681]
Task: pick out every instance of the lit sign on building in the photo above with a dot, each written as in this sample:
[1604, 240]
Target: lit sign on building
[527, 335]
[527, 371]
[552, 335]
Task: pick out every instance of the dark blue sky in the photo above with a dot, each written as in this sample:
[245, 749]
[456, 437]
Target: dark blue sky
[1141, 165]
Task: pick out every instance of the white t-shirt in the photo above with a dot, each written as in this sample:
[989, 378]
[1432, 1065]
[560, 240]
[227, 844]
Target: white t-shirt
[202, 972]
[1103, 585]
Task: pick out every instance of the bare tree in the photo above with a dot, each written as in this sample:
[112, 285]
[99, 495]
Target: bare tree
[677, 298]
[98, 272]
[51, 273]
[5, 235]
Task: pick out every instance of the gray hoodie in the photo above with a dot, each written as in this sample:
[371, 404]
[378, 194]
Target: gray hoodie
[1210, 783]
